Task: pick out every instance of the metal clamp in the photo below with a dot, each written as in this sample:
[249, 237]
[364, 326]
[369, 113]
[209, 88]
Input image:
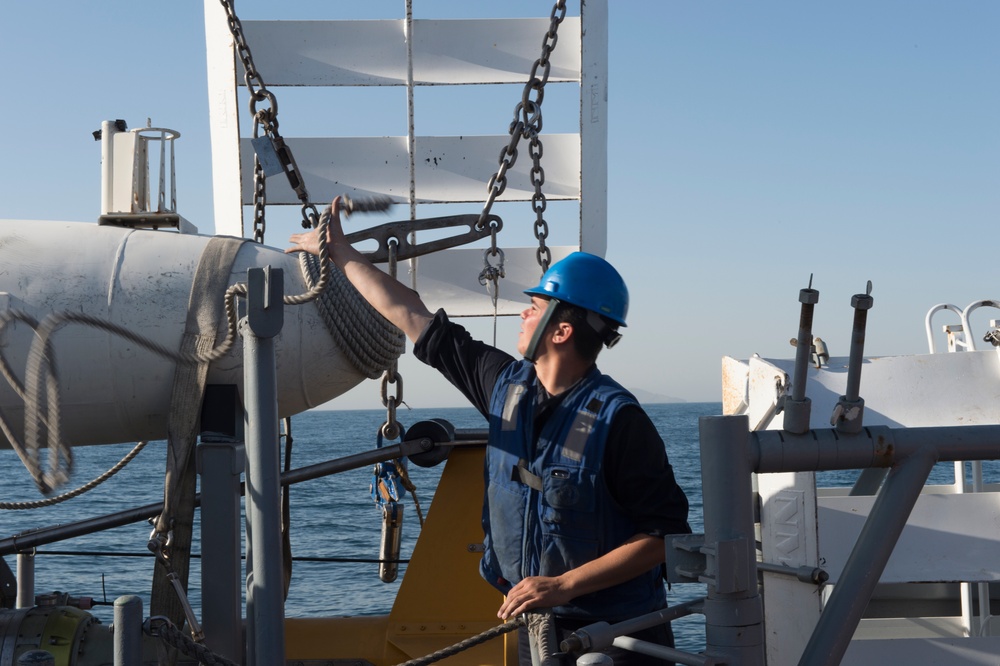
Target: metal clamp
[399, 232]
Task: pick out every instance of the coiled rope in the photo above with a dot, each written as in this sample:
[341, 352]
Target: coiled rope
[364, 336]
[40, 391]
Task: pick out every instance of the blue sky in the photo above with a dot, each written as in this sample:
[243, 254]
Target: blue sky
[750, 145]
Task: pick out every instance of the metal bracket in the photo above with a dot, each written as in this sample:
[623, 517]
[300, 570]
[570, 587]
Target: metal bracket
[398, 232]
[267, 156]
[265, 308]
[685, 561]
[688, 561]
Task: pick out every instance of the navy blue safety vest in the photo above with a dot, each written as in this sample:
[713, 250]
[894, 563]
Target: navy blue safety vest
[547, 507]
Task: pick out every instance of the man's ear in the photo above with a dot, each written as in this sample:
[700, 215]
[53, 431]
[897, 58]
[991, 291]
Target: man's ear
[562, 332]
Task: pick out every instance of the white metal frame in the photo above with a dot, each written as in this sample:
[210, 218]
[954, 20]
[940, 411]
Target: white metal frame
[415, 168]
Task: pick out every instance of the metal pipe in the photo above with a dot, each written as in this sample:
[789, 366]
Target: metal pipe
[663, 652]
[601, 635]
[875, 446]
[265, 579]
[867, 561]
[128, 630]
[803, 344]
[25, 579]
[861, 303]
[797, 406]
[108, 130]
[869, 481]
[220, 464]
[734, 615]
[848, 415]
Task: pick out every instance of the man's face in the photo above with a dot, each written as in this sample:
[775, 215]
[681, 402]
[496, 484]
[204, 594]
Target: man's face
[530, 317]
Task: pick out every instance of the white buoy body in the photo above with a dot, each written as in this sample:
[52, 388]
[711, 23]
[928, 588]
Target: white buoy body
[113, 390]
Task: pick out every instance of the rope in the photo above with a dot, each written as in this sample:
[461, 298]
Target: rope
[365, 337]
[17, 506]
[162, 628]
[471, 642]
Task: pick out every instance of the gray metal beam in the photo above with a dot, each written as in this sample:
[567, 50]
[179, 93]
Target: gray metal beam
[265, 577]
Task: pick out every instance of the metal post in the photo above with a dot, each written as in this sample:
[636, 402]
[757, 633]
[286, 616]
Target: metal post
[867, 561]
[265, 580]
[128, 630]
[220, 462]
[849, 413]
[734, 628]
[25, 579]
[797, 405]
[108, 130]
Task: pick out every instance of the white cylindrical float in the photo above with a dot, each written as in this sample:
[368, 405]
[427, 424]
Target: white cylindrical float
[114, 390]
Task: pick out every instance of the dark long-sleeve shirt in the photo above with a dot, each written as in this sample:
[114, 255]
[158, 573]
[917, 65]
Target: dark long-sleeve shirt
[638, 475]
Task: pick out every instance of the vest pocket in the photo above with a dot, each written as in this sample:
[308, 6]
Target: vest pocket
[570, 528]
[568, 490]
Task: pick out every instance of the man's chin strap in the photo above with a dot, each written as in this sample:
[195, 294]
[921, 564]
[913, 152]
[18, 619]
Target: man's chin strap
[532, 351]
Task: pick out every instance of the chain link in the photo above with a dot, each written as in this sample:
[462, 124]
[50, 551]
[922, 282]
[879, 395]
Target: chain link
[527, 124]
[259, 193]
[267, 118]
[391, 428]
[538, 203]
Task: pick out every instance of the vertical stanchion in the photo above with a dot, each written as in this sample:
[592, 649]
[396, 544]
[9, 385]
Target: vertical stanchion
[25, 579]
[128, 630]
[265, 580]
[734, 616]
[797, 405]
[220, 462]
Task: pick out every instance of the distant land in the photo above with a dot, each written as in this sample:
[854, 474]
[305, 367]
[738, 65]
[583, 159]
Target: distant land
[648, 398]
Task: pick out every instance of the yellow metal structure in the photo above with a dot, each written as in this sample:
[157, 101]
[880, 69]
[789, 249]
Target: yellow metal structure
[442, 600]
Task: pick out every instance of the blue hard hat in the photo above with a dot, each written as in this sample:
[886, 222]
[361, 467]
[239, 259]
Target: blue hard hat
[587, 281]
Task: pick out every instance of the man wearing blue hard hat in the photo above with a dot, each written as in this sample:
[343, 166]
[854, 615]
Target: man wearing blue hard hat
[579, 490]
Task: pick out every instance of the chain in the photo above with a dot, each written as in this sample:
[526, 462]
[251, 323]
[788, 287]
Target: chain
[391, 429]
[531, 109]
[527, 124]
[267, 117]
[538, 203]
[160, 546]
[259, 193]
[491, 275]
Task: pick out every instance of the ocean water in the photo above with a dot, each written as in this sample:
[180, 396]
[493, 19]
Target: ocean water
[334, 519]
